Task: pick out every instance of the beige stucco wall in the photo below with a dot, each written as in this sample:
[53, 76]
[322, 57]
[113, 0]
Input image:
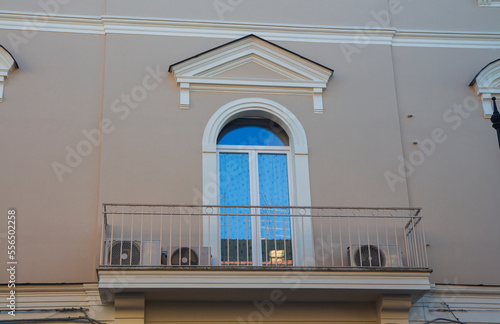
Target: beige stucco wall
[54, 95]
[248, 312]
[457, 184]
[66, 81]
[61, 7]
[340, 140]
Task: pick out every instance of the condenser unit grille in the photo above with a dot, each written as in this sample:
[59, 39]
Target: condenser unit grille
[366, 255]
[369, 256]
[130, 253]
[185, 256]
[125, 253]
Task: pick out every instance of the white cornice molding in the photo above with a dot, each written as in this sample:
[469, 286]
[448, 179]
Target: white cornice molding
[488, 3]
[218, 29]
[463, 290]
[291, 70]
[7, 64]
[425, 38]
[51, 23]
[234, 30]
[471, 303]
[54, 296]
[487, 85]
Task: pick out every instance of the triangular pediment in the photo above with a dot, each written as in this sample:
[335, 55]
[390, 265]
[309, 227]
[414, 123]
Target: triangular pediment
[250, 62]
[252, 68]
[275, 63]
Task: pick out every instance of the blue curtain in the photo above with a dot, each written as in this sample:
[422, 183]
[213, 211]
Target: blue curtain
[273, 189]
[234, 191]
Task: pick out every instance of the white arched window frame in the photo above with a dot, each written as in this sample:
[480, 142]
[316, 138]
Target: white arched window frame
[299, 161]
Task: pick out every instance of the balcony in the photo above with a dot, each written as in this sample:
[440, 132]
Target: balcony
[182, 249]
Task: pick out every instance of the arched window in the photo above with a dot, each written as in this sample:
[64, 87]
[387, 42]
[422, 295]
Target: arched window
[253, 131]
[254, 170]
[255, 154]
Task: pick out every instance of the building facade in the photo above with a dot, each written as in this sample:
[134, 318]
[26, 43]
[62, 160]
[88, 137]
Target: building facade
[249, 161]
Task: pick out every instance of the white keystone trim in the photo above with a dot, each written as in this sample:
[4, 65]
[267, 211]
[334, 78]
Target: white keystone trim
[7, 64]
[205, 70]
[487, 85]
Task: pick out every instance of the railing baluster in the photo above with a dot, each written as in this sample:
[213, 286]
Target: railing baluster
[150, 240]
[419, 246]
[351, 252]
[386, 227]
[321, 218]
[303, 241]
[413, 243]
[395, 231]
[248, 224]
[189, 229]
[219, 249]
[121, 240]
[142, 227]
[285, 237]
[179, 247]
[132, 238]
[340, 241]
[359, 240]
[275, 240]
[161, 233]
[169, 251]
[331, 240]
[199, 238]
[378, 244]
[209, 239]
[102, 255]
[111, 239]
[424, 243]
[237, 236]
[368, 241]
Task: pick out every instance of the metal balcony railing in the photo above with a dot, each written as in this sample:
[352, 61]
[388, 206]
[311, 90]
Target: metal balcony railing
[262, 236]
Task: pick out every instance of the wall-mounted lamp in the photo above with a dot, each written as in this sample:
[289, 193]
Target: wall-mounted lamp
[495, 118]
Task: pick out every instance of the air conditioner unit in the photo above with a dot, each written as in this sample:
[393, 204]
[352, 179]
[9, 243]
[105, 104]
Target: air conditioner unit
[374, 256]
[134, 252]
[182, 256]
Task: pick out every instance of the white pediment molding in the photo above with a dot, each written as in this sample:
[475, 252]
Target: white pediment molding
[293, 73]
[7, 64]
[487, 85]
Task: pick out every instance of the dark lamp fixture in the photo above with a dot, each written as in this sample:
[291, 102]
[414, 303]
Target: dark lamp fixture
[495, 118]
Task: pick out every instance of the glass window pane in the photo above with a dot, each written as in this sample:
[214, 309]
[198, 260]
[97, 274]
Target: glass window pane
[248, 131]
[235, 224]
[275, 223]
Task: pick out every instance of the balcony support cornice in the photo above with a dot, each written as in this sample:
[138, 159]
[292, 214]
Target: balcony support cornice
[326, 285]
